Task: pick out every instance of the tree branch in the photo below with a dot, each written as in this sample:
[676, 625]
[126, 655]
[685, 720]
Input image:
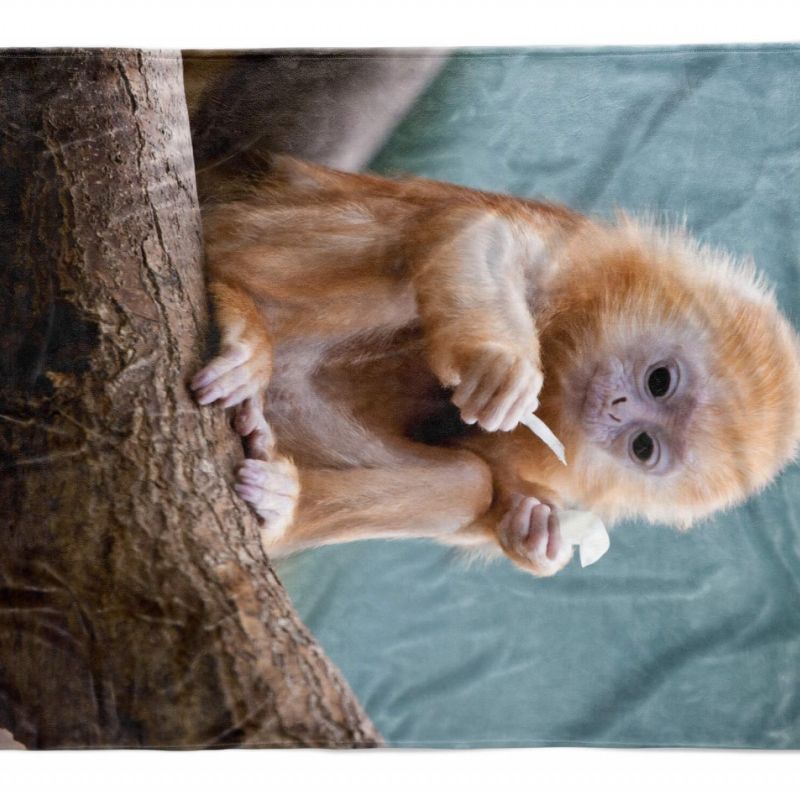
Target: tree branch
[137, 607]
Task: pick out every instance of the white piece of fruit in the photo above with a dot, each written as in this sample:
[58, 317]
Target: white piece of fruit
[579, 528]
[587, 531]
[537, 427]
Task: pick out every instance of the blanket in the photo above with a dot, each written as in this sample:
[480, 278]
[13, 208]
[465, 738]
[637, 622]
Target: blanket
[169, 568]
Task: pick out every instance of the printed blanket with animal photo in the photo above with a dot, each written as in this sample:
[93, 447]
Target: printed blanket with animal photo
[408, 398]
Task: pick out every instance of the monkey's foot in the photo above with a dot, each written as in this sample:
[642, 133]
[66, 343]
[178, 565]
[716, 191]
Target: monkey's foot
[529, 533]
[238, 372]
[251, 424]
[271, 489]
[498, 390]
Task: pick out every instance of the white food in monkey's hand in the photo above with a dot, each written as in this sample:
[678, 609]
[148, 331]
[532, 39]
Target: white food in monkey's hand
[538, 428]
[580, 528]
[587, 531]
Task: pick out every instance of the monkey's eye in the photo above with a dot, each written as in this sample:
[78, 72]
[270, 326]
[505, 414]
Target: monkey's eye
[660, 382]
[643, 448]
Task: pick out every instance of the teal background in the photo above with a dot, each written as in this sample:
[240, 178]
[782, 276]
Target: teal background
[672, 639]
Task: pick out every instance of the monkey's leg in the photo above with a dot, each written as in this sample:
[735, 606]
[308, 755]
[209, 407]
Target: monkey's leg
[265, 480]
[435, 498]
[447, 497]
[242, 369]
[447, 501]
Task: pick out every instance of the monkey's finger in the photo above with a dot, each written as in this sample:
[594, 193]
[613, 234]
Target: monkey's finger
[243, 424]
[275, 504]
[223, 385]
[264, 499]
[231, 358]
[279, 471]
[504, 527]
[240, 394]
[531, 381]
[515, 412]
[471, 410]
[492, 414]
[469, 383]
[555, 541]
[260, 443]
[275, 481]
[279, 466]
[538, 533]
[519, 376]
[512, 390]
[521, 520]
[252, 494]
[247, 418]
[256, 402]
[250, 423]
[526, 403]
[253, 475]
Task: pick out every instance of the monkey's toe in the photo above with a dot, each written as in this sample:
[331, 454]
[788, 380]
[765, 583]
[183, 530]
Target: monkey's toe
[271, 489]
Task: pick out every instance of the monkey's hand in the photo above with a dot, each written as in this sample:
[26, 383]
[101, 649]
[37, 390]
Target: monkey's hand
[529, 534]
[495, 387]
[239, 372]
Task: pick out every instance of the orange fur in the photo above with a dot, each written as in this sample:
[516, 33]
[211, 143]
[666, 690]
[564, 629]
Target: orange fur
[368, 297]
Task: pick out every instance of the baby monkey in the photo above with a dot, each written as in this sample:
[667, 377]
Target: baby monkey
[381, 341]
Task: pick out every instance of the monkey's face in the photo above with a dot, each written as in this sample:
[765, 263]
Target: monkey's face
[637, 406]
[676, 418]
[670, 375]
[649, 429]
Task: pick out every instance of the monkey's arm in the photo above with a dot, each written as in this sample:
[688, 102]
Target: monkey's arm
[242, 369]
[472, 286]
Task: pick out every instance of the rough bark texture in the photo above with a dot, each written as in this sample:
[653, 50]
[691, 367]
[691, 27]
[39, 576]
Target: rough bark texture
[136, 604]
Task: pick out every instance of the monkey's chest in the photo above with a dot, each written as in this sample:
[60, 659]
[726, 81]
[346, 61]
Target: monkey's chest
[380, 380]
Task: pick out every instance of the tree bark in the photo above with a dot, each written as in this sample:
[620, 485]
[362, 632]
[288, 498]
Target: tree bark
[137, 607]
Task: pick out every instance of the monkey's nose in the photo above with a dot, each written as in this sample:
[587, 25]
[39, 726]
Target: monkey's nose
[617, 402]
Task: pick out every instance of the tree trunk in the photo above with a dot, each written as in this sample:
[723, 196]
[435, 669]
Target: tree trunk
[137, 607]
